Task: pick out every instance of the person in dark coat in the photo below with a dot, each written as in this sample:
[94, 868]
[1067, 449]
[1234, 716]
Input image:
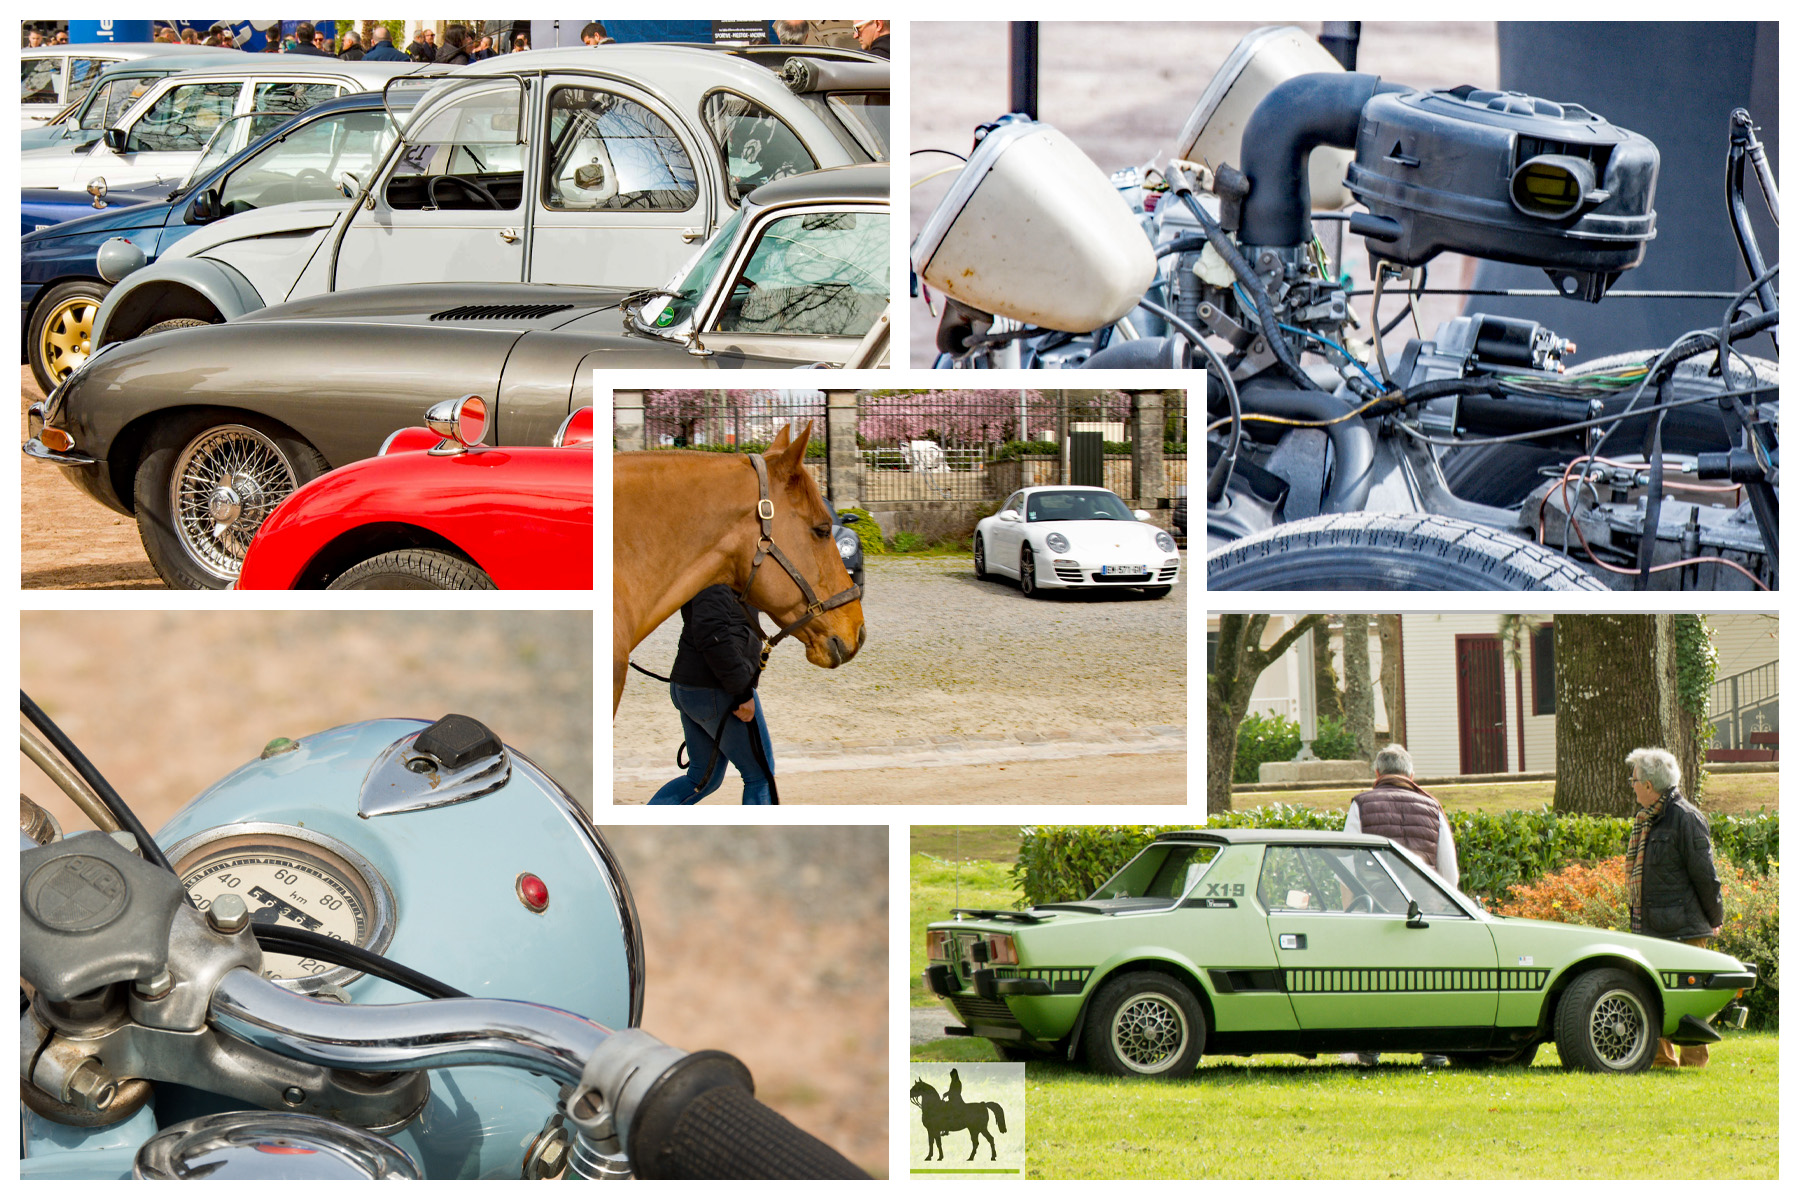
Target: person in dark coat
[304, 41]
[381, 47]
[352, 51]
[454, 50]
[1672, 883]
[713, 687]
[873, 37]
[423, 48]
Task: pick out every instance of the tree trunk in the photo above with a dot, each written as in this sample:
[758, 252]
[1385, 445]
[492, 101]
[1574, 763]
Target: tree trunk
[1359, 689]
[1393, 678]
[1238, 662]
[1616, 691]
[1328, 697]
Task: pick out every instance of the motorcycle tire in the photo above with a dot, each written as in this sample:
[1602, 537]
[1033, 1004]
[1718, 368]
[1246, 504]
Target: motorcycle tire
[182, 549]
[1392, 552]
[1504, 474]
[62, 328]
[414, 570]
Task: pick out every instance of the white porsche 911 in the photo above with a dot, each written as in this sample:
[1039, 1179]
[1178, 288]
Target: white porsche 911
[1074, 537]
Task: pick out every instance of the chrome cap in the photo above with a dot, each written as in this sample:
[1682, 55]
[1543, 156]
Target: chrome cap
[263, 1145]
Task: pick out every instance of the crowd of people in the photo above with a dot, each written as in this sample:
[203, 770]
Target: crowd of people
[459, 45]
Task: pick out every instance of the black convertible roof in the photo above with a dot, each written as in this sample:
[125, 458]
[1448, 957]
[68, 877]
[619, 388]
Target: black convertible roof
[1284, 837]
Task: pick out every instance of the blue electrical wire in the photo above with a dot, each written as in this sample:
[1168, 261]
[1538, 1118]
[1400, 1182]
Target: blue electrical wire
[1307, 333]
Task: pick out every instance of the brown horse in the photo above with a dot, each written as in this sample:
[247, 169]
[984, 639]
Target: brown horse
[684, 520]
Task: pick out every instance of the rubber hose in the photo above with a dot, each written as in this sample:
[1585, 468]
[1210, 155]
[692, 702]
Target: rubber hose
[1144, 354]
[1300, 114]
[1352, 444]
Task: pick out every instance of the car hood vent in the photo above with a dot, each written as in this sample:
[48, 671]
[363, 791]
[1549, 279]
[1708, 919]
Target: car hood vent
[499, 312]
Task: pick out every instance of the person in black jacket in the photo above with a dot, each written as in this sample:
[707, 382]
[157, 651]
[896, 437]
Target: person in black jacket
[1672, 884]
[713, 687]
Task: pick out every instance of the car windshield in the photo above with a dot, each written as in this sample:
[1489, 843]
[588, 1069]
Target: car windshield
[1163, 870]
[691, 283]
[231, 137]
[817, 273]
[1075, 505]
[304, 163]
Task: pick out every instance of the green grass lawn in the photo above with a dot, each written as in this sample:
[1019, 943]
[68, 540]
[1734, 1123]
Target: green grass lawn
[939, 886]
[1739, 795]
[1282, 1117]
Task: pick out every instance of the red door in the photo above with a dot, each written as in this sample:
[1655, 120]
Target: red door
[1480, 704]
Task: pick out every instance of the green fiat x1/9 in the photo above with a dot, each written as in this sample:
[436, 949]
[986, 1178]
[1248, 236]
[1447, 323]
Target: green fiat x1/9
[1260, 941]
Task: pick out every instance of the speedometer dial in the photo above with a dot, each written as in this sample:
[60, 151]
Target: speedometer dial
[294, 878]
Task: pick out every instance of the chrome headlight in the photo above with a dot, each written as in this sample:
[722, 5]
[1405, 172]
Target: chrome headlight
[1057, 542]
[847, 541]
[1164, 542]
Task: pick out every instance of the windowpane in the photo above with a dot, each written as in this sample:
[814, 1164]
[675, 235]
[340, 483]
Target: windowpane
[464, 156]
[754, 144]
[82, 73]
[813, 273]
[305, 164]
[1543, 670]
[37, 80]
[608, 153]
[185, 117]
[1428, 891]
[291, 98]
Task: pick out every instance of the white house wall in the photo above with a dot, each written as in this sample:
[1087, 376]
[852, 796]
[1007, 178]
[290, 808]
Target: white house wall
[1433, 726]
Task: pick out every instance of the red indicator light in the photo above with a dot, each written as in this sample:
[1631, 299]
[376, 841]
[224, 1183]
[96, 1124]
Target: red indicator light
[533, 892]
[277, 1148]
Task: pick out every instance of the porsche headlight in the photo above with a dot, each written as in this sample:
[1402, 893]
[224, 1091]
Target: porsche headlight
[1058, 543]
[847, 541]
[1164, 542]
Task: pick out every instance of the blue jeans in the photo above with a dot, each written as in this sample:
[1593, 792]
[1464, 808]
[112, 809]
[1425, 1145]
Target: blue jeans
[701, 709]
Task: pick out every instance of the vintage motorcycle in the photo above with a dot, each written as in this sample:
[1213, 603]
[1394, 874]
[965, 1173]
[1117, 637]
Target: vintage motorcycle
[225, 1000]
[1477, 458]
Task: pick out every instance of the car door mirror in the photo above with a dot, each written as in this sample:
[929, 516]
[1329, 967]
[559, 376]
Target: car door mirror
[1140, 514]
[205, 207]
[348, 184]
[1413, 919]
[115, 140]
[1007, 514]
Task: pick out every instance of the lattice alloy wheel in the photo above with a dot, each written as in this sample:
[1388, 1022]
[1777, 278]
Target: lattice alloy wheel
[225, 484]
[1149, 1031]
[1144, 1023]
[1618, 1027]
[1608, 1021]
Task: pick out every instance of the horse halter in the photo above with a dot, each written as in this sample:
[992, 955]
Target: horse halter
[766, 548]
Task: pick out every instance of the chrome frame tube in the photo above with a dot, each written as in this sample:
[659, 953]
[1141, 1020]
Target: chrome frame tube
[405, 1037]
[73, 786]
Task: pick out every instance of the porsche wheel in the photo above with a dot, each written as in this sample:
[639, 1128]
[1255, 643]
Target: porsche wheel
[981, 571]
[205, 484]
[62, 329]
[1144, 1024]
[1028, 584]
[1607, 1022]
[414, 571]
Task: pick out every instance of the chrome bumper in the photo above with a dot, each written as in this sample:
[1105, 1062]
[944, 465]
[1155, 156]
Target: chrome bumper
[35, 448]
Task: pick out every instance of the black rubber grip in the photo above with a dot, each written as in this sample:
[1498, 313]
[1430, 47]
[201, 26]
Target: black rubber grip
[699, 1121]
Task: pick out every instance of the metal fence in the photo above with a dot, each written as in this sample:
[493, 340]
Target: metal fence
[723, 419]
[1744, 704]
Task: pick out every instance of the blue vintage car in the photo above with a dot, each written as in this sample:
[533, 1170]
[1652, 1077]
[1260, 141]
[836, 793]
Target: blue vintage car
[40, 208]
[62, 283]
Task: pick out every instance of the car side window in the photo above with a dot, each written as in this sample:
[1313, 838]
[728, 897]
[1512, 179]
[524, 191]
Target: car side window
[817, 273]
[37, 80]
[1286, 884]
[290, 97]
[305, 164]
[82, 73]
[754, 145]
[184, 117]
[465, 155]
[609, 153]
[1429, 892]
[1327, 879]
[1013, 502]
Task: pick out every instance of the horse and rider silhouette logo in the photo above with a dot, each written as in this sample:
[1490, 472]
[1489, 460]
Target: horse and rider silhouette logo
[950, 1112]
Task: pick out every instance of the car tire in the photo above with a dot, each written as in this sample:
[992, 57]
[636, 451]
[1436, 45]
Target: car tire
[1607, 1022]
[981, 571]
[62, 328]
[414, 570]
[176, 323]
[1028, 582]
[1522, 1057]
[1144, 1024]
[267, 463]
[1393, 552]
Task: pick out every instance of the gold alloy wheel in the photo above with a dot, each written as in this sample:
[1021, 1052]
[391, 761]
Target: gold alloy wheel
[68, 334]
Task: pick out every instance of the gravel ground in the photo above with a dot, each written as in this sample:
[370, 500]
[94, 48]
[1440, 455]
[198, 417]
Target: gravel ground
[1122, 89]
[957, 674]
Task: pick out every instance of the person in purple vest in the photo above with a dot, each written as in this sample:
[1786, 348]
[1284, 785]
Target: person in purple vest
[1400, 809]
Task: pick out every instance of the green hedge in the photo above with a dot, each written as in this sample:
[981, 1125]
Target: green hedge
[1271, 738]
[1494, 851]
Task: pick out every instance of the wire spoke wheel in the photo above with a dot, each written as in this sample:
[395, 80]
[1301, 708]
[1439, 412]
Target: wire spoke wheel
[225, 484]
[1149, 1031]
[1617, 1028]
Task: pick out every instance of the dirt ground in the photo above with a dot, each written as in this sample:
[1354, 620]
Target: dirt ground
[66, 539]
[1122, 89]
[1111, 779]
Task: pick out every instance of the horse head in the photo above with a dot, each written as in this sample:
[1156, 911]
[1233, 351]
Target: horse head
[803, 529]
[922, 1091]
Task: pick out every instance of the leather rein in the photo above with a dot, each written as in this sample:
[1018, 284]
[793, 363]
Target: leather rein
[766, 548]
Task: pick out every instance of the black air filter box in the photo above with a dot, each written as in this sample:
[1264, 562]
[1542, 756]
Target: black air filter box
[1504, 176]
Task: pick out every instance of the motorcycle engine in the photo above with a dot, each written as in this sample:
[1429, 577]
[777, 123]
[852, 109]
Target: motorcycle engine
[1504, 176]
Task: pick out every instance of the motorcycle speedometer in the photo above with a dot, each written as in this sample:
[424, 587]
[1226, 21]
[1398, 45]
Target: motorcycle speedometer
[292, 877]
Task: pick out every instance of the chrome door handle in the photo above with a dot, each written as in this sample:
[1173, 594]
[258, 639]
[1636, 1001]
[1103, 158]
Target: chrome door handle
[509, 235]
[690, 234]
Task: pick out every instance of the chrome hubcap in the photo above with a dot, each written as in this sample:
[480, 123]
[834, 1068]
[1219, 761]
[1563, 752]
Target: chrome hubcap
[225, 484]
[1149, 1032]
[1619, 1028]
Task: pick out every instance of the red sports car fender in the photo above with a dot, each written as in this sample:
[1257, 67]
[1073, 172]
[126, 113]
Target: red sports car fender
[523, 514]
